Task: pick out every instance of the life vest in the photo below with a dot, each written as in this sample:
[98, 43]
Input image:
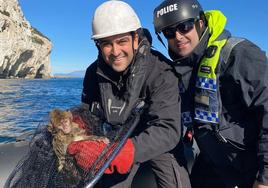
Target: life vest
[116, 105]
[207, 104]
[117, 109]
[207, 101]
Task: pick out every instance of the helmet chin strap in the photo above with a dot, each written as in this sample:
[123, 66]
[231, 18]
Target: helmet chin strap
[160, 39]
[133, 33]
[198, 29]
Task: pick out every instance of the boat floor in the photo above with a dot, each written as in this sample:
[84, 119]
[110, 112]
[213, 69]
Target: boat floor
[10, 154]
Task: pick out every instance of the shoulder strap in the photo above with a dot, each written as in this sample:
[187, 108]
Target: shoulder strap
[228, 47]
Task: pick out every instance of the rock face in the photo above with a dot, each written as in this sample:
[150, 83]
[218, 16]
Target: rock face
[24, 51]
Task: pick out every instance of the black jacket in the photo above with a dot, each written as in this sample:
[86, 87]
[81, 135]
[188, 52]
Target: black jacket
[244, 95]
[146, 78]
[244, 118]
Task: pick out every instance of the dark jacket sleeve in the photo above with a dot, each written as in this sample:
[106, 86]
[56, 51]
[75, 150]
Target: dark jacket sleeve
[252, 74]
[162, 120]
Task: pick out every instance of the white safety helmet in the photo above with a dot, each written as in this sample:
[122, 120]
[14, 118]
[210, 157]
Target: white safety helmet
[114, 17]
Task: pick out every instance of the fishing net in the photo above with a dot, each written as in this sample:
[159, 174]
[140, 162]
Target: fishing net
[39, 168]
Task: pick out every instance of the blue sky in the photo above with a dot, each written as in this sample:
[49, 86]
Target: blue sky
[68, 25]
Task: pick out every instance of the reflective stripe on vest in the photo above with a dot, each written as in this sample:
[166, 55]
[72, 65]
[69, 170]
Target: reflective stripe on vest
[186, 118]
[207, 104]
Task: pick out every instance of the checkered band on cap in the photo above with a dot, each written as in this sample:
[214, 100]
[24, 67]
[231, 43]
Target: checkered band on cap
[206, 83]
[202, 115]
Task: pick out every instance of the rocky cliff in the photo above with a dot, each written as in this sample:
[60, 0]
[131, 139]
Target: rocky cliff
[24, 51]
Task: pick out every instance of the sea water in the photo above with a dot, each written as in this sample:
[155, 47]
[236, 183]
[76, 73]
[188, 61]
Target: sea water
[25, 104]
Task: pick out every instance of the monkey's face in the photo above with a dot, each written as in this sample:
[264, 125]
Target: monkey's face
[60, 121]
[65, 125]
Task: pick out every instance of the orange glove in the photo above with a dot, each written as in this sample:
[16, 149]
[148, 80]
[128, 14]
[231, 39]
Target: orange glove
[124, 159]
[86, 152]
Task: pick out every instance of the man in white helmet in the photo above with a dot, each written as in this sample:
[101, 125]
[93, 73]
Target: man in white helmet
[127, 71]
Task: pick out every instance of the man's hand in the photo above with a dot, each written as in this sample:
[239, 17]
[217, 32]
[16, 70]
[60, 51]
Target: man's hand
[122, 163]
[86, 152]
[258, 185]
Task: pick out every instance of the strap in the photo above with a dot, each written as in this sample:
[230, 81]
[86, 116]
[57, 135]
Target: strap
[227, 49]
[160, 39]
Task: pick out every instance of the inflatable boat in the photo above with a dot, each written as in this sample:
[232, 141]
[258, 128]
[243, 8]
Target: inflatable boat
[10, 154]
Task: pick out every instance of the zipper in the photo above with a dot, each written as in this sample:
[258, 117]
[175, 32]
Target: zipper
[118, 85]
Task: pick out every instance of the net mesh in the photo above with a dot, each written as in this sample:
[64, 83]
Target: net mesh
[39, 167]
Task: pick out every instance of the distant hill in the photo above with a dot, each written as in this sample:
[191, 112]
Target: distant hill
[74, 74]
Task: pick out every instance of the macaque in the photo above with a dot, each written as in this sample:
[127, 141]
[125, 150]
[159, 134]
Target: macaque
[65, 131]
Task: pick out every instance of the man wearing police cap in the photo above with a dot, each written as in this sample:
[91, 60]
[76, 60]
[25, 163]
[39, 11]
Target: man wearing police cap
[223, 82]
